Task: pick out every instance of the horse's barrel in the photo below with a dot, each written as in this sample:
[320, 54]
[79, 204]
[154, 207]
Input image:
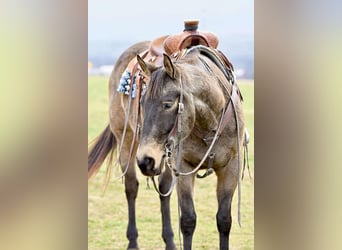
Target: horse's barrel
[190, 36]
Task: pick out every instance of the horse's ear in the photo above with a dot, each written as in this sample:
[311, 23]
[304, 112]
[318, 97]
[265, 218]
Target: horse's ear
[169, 67]
[146, 67]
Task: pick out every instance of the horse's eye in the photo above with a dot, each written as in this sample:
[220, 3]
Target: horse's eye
[167, 105]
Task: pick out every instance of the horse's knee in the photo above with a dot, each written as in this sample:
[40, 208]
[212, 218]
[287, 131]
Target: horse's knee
[224, 222]
[131, 188]
[165, 184]
[188, 223]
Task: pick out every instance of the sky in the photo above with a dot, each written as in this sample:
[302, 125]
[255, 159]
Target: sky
[124, 20]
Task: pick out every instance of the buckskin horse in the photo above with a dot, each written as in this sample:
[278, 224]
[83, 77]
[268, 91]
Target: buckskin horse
[180, 115]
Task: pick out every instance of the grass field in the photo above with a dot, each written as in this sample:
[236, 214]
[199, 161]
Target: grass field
[107, 213]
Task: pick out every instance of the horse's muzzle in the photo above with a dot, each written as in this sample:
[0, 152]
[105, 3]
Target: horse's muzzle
[147, 166]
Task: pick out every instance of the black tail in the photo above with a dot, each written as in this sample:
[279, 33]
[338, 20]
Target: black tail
[104, 144]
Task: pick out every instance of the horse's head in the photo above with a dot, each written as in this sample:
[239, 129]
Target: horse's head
[161, 105]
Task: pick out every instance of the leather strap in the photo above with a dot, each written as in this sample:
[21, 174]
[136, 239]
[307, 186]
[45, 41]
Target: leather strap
[128, 110]
[229, 111]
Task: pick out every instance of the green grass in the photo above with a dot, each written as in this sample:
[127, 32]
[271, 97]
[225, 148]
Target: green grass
[107, 214]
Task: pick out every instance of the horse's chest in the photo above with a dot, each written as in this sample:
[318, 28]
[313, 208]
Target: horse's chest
[194, 152]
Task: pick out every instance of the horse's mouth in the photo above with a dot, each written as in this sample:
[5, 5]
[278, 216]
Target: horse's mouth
[157, 171]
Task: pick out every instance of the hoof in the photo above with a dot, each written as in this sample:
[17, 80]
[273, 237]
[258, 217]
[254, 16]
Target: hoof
[133, 248]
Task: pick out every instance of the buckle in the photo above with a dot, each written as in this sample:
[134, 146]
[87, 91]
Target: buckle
[180, 108]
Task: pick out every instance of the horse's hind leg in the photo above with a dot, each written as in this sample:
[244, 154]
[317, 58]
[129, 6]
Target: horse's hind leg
[131, 189]
[165, 182]
[226, 184]
[188, 215]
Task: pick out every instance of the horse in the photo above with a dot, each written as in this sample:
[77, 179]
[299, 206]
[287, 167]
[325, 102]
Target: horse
[189, 117]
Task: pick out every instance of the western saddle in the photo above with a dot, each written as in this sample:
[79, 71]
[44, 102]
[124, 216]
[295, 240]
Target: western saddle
[172, 44]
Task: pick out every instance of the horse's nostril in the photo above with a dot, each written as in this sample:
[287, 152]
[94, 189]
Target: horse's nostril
[146, 164]
[149, 161]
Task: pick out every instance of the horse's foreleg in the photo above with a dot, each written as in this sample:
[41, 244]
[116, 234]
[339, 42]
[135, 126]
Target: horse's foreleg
[188, 215]
[226, 184]
[165, 182]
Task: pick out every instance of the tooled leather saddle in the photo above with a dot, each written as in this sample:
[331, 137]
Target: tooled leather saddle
[172, 44]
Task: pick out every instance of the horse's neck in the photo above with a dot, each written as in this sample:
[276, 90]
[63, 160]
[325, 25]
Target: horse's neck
[208, 110]
[206, 118]
[208, 96]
